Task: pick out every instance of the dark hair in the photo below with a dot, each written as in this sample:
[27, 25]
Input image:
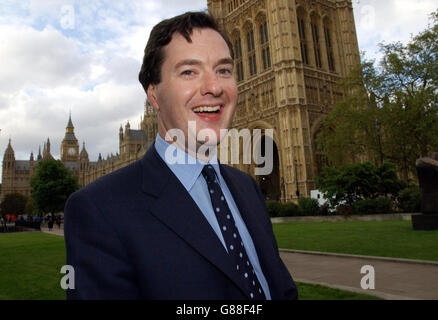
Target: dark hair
[161, 35]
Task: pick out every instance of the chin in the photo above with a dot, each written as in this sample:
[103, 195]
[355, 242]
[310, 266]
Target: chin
[209, 137]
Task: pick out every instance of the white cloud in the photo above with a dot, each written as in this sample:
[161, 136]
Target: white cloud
[389, 21]
[38, 59]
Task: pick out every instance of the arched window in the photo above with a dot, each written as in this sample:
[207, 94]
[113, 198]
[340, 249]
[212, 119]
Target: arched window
[329, 46]
[303, 36]
[238, 58]
[316, 42]
[251, 52]
[264, 39]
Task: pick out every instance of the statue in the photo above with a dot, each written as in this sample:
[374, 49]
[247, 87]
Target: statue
[427, 169]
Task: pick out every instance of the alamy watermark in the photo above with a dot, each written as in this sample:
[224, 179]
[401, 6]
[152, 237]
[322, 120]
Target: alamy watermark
[68, 281]
[67, 17]
[257, 146]
[368, 281]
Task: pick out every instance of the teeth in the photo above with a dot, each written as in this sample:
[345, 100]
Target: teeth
[207, 109]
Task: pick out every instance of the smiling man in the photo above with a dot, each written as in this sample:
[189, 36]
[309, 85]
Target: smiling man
[192, 230]
[196, 84]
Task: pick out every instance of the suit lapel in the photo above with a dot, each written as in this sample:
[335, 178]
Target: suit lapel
[175, 208]
[265, 250]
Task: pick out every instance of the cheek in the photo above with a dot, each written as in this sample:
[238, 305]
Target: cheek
[232, 91]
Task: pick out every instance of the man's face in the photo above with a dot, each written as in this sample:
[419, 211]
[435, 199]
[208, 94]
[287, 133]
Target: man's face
[197, 84]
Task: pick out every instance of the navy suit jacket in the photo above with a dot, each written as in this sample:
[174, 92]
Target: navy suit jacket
[136, 233]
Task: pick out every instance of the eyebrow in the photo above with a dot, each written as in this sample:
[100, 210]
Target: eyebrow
[194, 62]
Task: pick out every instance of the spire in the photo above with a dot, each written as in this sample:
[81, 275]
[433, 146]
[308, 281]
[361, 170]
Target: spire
[9, 147]
[39, 153]
[84, 154]
[46, 150]
[9, 153]
[70, 123]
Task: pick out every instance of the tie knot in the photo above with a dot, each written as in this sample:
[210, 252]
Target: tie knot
[208, 173]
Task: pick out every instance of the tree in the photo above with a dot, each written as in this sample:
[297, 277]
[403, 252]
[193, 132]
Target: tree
[30, 207]
[358, 181]
[389, 112]
[13, 203]
[51, 186]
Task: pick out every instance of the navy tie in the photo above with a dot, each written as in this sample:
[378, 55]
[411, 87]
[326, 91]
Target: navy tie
[233, 242]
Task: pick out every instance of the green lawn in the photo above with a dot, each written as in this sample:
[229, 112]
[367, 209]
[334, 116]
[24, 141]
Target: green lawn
[30, 265]
[394, 239]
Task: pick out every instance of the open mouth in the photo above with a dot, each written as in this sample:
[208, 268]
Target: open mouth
[207, 109]
[209, 113]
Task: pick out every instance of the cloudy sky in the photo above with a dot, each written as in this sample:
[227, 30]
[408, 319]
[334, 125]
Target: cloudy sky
[83, 56]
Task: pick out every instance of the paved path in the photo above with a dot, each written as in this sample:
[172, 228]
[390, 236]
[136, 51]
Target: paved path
[55, 230]
[393, 279]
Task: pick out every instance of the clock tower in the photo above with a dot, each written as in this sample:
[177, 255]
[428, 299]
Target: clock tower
[69, 145]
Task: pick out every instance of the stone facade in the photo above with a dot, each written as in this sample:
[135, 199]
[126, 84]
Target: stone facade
[289, 54]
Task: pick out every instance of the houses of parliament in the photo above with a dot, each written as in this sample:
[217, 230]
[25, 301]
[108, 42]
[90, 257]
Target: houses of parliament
[289, 55]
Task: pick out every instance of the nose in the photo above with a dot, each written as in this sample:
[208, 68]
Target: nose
[211, 84]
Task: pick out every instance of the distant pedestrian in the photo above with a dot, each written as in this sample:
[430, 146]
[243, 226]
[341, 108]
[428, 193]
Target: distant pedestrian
[3, 224]
[50, 224]
[58, 222]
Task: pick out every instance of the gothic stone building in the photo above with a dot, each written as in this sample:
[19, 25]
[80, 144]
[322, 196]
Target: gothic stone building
[133, 143]
[288, 54]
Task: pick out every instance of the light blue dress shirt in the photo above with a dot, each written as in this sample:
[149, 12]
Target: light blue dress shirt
[188, 171]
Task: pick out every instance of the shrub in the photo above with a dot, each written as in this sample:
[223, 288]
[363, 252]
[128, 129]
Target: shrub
[324, 210]
[273, 208]
[344, 210]
[409, 199]
[289, 209]
[308, 206]
[372, 206]
[353, 182]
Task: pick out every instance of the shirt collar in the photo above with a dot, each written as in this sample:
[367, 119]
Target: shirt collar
[187, 168]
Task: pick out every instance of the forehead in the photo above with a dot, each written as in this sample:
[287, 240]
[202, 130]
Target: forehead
[205, 42]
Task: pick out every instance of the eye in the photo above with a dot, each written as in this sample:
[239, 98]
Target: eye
[226, 71]
[187, 73]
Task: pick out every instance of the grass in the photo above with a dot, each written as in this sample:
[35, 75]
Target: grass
[317, 292]
[30, 265]
[394, 239]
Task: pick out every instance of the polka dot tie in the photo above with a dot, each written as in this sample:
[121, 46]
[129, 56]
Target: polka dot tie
[234, 243]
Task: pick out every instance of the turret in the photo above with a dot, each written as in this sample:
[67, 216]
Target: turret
[120, 134]
[39, 154]
[127, 129]
[31, 164]
[84, 153]
[9, 157]
[46, 150]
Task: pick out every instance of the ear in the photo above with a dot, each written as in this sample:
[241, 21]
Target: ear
[152, 96]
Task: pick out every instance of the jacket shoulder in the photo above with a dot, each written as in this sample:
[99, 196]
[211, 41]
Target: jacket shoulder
[112, 184]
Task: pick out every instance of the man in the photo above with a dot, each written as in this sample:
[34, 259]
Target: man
[198, 230]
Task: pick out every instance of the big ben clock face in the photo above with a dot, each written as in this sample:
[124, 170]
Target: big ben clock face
[71, 151]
